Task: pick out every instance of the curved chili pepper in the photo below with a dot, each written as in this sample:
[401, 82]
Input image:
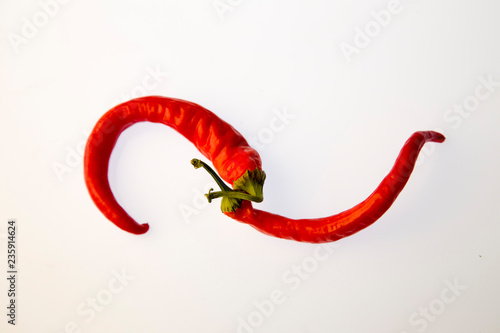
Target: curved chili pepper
[344, 224]
[237, 162]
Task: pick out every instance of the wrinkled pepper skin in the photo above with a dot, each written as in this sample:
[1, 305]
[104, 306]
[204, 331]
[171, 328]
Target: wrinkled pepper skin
[214, 138]
[332, 228]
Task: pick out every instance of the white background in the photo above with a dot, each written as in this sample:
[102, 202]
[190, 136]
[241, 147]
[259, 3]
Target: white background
[63, 65]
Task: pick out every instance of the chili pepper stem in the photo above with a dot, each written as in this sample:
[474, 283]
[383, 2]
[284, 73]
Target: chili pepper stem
[200, 164]
[233, 194]
[226, 191]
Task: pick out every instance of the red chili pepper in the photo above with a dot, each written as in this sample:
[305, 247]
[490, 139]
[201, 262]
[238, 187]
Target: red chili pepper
[344, 224]
[238, 164]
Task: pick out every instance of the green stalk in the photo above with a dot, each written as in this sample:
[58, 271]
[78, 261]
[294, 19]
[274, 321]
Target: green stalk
[231, 198]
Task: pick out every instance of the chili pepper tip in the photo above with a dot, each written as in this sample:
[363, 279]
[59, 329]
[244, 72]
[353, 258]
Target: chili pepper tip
[439, 137]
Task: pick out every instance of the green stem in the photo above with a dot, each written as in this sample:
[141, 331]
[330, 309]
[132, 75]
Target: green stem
[226, 191]
[233, 194]
[200, 164]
